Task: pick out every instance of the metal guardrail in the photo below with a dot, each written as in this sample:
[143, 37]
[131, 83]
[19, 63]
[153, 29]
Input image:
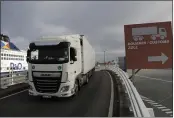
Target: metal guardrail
[5, 82]
[6, 71]
[137, 105]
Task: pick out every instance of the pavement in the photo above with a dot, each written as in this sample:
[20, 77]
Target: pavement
[93, 100]
[157, 87]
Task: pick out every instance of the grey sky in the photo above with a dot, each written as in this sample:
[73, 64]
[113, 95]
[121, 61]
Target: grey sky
[101, 21]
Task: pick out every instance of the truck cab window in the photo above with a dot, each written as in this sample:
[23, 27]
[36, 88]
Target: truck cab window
[34, 55]
[48, 54]
[73, 54]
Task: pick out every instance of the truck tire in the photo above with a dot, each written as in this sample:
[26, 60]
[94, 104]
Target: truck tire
[86, 79]
[76, 88]
[91, 73]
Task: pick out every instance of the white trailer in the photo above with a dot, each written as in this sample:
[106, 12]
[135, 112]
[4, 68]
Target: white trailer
[60, 65]
[139, 33]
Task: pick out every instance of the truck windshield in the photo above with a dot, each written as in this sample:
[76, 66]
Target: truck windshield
[49, 55]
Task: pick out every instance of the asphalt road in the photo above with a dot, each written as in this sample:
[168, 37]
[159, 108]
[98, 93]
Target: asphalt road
[93, 101]
[157, 85]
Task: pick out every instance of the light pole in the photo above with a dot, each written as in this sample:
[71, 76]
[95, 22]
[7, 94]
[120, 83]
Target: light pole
[104, 59]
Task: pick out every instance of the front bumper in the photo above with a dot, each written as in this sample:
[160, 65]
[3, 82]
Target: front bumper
[32, 91]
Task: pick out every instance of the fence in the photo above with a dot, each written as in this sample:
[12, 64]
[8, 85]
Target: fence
[12, 77]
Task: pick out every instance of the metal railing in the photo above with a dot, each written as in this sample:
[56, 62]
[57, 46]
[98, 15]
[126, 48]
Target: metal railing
[6, 71]
[12, 77]
[137, 105]
[9, 81]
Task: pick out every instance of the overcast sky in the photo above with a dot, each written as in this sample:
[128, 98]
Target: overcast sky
[101, 21]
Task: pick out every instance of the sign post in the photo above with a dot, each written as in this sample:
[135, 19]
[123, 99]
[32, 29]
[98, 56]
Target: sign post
[133, 75]
[149, 45]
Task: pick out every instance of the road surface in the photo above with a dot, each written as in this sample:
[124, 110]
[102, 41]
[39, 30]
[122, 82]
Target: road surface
[93, 101]
[157, 87]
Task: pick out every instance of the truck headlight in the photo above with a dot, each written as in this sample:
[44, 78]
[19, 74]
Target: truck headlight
[64, 89]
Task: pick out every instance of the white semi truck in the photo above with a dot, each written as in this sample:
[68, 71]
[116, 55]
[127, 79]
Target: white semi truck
[154, 32]
[59, 66]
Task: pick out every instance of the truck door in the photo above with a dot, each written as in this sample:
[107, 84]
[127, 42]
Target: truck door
[73, 61]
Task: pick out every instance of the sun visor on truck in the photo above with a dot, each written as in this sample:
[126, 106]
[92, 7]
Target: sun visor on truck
[49, 44]
[41, 43]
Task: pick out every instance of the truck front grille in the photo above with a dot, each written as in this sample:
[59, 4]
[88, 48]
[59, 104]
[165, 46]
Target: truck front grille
[47, 84]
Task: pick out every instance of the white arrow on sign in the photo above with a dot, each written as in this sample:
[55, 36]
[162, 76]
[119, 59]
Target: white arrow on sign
[162, 58]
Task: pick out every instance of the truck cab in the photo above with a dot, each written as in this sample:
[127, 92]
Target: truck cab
[55, 67]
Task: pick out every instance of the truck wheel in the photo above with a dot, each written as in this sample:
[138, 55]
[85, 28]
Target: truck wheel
[76, 88]
[87, 79]
[94, 69]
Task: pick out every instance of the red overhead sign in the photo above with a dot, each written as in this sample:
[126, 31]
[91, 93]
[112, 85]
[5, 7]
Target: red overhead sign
[149, 45]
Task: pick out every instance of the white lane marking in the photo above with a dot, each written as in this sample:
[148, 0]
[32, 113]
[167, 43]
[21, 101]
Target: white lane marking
[110, 114]
[148, 100]
[159, 106]
[144, 98]
[154, 78]
[166, 109]
[13, 94]
[154, 103]
[169, 112]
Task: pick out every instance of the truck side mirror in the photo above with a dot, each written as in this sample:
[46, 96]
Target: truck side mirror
[27, 59]
[28, 55]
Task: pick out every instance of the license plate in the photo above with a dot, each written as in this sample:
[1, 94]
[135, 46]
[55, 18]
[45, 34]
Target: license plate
[46, 96]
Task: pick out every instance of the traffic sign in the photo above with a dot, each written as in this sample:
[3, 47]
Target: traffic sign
[149, 45]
